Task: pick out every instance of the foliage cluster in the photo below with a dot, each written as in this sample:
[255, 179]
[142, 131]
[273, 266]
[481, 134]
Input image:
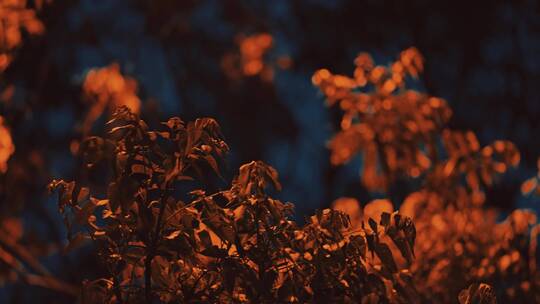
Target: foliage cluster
[402, 134]
[235, 245]
[16, 18]
[165, 237]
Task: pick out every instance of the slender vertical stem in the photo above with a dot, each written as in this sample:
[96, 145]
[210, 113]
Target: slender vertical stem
[151, 252]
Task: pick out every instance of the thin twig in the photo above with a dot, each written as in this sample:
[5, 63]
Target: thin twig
[152, 248]
[46, 281]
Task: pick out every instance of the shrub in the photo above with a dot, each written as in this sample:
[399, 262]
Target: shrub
[235, 245]
[164, 237]
[402, 134]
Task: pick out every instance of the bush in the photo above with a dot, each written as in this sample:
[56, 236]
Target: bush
[402, 134]
[236, 245]
[162, 236]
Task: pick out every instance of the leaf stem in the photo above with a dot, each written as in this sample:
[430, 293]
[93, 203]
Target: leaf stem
[151, 253]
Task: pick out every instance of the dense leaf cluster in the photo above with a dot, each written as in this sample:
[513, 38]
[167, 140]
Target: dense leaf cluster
[403, 134]
[164, 237]
[235, 245]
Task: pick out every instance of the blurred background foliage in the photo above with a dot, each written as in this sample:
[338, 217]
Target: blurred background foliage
[249, 65]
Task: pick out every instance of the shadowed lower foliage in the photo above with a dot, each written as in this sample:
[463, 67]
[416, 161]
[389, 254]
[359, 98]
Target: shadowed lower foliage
[235, 245]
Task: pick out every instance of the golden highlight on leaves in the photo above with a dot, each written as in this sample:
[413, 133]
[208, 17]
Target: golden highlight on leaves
[16, 16]
[532, 185]
[402, 133]
[7, 148]
[375, 208]
[107, 88]
[351, 207]
[252, 59]
[252, 49]
[391, 127]
[478, 293]
[165, 238]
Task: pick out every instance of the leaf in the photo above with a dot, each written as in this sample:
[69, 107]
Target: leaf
[402, 244]
[385, 219]
[478, 293]
[370, 239]
[220, 228]
[213, 164]
[85, 212]
[173, 235]
[174, 124]
[407, 285]
[99, 233]
[351, 207]
[372, 225]
[385, 254]
[160, 271]
[83, 195]
[272, 175]
[104, 202]
[65, 192]
[205, 238]
[239, 212]
[116, 130]
[106, 213]
[529, 185]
